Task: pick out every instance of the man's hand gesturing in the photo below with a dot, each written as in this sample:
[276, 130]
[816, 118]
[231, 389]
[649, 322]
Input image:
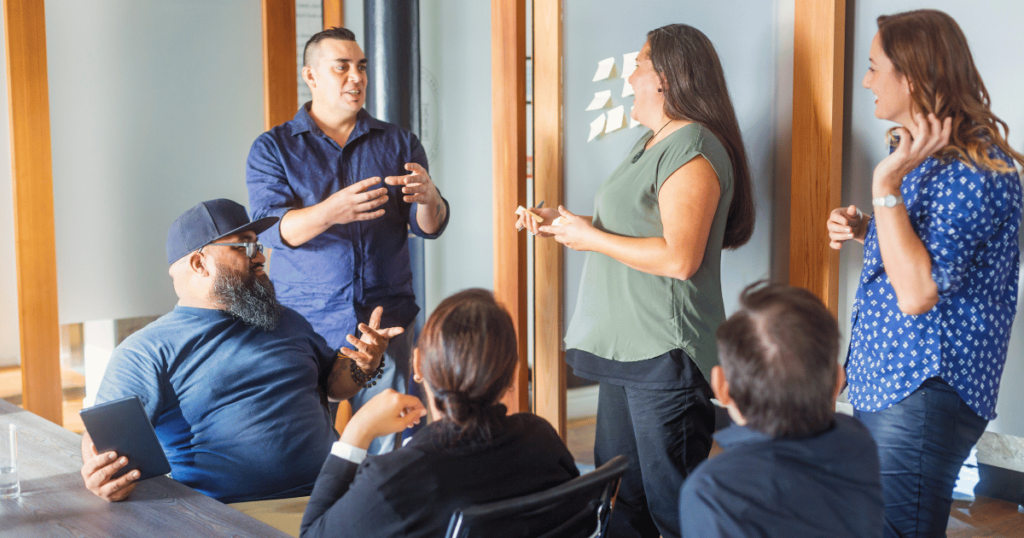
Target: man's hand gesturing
[369, 348]
[417, 187]
[355, 202]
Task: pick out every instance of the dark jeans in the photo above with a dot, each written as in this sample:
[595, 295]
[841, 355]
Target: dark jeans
[665, 434]
[922, 443]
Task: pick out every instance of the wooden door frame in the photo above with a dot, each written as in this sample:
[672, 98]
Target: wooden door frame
[819, 41]
[280, 88]
[34, 233]
[548, 185]
[508, 111]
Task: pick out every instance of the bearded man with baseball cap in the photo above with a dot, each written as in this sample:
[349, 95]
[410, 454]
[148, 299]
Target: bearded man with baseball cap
[234, 384]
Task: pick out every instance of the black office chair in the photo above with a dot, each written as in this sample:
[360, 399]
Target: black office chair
[578, 508]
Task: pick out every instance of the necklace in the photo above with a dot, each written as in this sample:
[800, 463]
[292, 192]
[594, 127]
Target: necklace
[643, 149]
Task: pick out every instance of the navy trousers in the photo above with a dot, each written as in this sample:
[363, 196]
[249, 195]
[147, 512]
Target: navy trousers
[665, 434]
[922, 443]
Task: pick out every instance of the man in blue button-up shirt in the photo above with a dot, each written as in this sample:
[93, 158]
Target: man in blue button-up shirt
[341, 248]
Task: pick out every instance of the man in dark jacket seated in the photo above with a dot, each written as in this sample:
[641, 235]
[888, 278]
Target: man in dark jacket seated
[791, 466]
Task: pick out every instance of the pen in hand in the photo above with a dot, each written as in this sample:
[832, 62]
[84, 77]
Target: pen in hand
[540, 205]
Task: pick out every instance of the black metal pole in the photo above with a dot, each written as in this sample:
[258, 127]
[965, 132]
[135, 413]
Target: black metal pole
[393, 54]
[393, 93]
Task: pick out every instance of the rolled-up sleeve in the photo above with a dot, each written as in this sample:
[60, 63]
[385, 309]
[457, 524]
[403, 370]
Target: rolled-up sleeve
[269, 192]
[955, 219]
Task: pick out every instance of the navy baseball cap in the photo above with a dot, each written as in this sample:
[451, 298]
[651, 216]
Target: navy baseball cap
[207, 222]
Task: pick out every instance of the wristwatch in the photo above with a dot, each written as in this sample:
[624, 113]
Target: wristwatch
[888, 200]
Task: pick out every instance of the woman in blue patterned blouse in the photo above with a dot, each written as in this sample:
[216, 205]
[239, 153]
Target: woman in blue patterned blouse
[938, 292]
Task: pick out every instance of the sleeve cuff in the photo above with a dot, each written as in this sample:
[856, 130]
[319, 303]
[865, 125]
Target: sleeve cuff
[272, 236]
[415, 226]
[348, 452]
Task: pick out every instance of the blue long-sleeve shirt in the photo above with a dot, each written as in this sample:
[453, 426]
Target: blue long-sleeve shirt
[337, 278]
[969, 221]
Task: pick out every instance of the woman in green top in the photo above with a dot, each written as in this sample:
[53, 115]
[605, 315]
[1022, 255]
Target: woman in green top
[650, 297]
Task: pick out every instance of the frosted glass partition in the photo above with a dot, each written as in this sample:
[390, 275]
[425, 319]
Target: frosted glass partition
[309, 19]
[455, 128]
[8, 280]
[153, 107]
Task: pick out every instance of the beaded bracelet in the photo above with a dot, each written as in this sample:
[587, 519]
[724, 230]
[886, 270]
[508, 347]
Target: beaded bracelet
[363, 379]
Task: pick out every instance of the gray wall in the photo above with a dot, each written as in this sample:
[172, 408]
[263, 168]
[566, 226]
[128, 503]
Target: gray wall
[993, 31]
[153, 107]
[456, 67]
[118, 105]
[754, 43]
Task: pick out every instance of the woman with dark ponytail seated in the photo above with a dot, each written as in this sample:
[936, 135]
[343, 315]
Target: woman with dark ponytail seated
[472, 453]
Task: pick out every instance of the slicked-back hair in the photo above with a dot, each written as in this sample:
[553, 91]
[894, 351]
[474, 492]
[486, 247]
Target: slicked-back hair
[468, 354]
[695, 90]
[313, 44]
[779, 353]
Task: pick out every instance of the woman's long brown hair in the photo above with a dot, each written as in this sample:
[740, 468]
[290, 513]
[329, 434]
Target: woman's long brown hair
[928, 47]
[695, 91]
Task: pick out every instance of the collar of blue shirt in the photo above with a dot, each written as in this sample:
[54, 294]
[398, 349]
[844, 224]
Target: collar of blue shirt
[741, 435]
[304, 123]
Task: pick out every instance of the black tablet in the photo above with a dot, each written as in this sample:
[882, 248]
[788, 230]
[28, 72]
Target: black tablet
[122, 426]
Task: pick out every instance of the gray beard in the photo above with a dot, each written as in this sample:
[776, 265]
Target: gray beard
[248, 297]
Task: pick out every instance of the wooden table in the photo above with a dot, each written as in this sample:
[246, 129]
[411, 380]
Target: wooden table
[55, 503]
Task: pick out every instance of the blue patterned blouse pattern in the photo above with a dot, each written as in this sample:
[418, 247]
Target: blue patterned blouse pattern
[969, 220]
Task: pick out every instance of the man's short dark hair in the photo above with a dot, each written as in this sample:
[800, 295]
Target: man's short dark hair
[312, 45]
[778, 352]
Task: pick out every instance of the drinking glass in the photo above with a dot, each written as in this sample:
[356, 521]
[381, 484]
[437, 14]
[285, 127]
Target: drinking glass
[10, 487]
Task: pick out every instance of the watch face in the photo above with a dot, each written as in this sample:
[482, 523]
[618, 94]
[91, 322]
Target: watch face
[890, 201]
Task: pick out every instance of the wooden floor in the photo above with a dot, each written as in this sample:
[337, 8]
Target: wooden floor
[985, 517]
[981, 518]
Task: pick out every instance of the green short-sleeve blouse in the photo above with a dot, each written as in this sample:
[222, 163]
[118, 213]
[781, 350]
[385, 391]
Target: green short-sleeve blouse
[623, 314]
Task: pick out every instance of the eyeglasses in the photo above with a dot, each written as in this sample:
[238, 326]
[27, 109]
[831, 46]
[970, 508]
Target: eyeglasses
[250, 248]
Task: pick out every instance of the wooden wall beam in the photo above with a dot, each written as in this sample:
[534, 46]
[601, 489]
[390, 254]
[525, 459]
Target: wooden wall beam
[334, 14]
[508, 111]
[280, 87]
[818, 67]
[548, 173]
[32, 179]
